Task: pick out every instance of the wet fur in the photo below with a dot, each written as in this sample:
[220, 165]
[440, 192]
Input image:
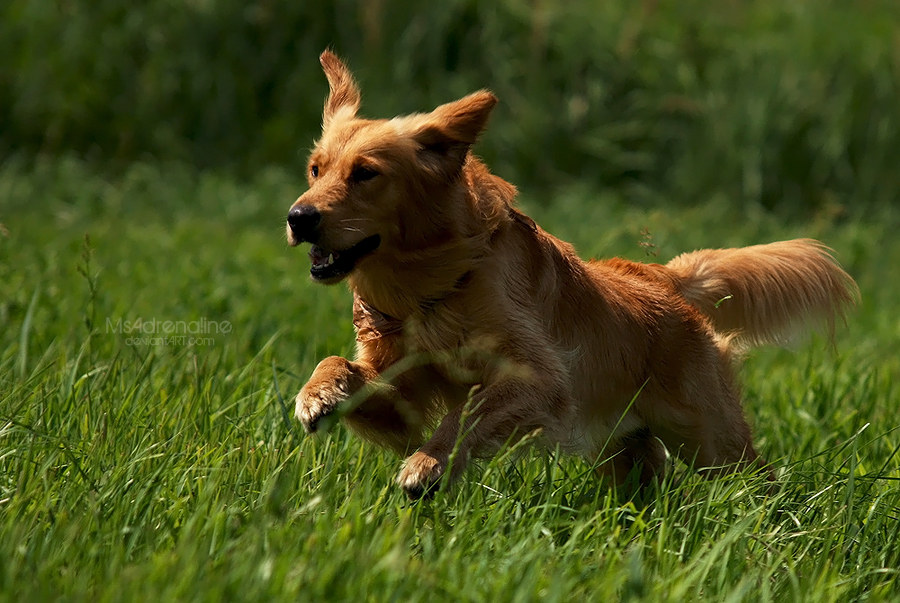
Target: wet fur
[607, 359]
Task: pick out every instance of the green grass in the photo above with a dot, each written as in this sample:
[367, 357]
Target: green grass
[169, 472]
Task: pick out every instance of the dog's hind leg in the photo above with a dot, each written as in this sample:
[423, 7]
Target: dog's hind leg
[636, 460]
[707, 428]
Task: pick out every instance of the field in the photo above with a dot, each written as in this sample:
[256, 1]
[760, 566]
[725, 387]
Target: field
[135, 467]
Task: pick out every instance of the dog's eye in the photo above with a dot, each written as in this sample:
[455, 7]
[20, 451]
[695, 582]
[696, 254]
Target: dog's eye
[314, 170]
[363, 173]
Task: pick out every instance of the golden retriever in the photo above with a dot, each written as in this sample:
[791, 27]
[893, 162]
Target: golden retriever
[474, 322]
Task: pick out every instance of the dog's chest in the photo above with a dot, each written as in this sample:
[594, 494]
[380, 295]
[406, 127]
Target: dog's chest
[439, 338]
[424, 336]
[443, 340]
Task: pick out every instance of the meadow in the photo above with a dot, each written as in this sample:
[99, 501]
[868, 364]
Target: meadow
[134, 468]
[155, 326]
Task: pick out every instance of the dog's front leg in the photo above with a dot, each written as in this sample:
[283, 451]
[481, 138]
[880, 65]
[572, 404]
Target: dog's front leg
[382, 416]
[334, 380]
[479, 428]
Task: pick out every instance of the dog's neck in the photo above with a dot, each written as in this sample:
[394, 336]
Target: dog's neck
[371, 323]
[404, 287]
[407, 283]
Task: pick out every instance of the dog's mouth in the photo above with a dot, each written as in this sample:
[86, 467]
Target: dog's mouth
[331, 266]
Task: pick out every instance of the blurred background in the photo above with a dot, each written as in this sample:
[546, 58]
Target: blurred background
[791, 106]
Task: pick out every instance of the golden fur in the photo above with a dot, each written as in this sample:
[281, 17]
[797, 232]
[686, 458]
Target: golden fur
[510, 332]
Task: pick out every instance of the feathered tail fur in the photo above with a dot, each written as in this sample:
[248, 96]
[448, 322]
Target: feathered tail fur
[765, 293]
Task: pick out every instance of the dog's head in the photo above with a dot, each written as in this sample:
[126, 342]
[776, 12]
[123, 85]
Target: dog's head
[381, 186]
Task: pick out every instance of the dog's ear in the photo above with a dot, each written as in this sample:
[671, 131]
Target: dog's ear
[344, 93]
[463, 120]
[449, 130]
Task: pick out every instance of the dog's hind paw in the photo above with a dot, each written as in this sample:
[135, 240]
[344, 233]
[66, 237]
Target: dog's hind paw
[420, 475]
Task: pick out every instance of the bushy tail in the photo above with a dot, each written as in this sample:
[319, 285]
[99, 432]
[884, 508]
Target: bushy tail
[765, 293]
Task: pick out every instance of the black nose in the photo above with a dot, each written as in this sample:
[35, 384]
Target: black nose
[304, 220]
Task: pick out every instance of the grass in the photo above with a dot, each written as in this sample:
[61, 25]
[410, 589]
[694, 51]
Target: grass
[169, 472]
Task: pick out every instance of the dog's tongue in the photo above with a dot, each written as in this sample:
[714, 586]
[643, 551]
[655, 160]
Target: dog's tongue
[321, 257]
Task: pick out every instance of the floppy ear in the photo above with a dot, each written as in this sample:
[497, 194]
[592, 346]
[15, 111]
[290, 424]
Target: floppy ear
[344, 93]
[449, 131]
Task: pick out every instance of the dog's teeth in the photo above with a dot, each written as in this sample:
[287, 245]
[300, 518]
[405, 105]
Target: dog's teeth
[330, 259]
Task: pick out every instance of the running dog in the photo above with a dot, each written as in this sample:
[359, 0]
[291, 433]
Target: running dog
[476, 326]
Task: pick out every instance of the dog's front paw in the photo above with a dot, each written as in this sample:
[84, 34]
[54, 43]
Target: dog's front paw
[420, 475]
[328, 387]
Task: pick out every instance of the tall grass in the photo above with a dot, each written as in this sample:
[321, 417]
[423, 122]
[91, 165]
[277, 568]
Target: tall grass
[167, 471]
